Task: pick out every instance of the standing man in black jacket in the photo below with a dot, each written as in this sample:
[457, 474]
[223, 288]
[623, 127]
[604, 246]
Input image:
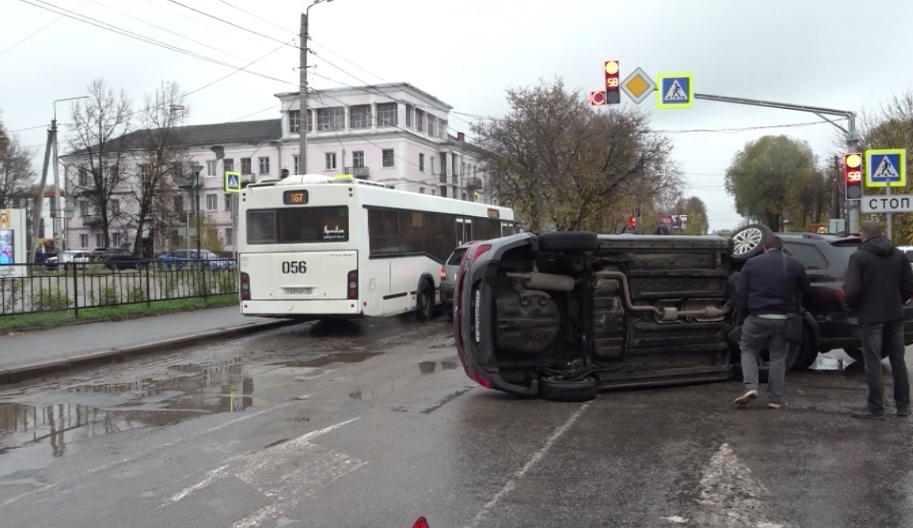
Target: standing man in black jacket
[878, 282]
[767, 290]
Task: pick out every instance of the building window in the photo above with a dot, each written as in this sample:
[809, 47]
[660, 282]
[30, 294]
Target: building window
[115, 207]
[229, 236]
[83, 177]
[264, 165]
[246, 166]
[228, 202]
[358, 159]
[115, 240]
[211, 168]
[144, 172]
[83, 208]
[331, 118]
[360, 116]
[387, 114]
[419, 120]
[432, 121]
[294, 121]
[212, 202]
[421, 162]
[295, 164]
[432, 165]
[83, 241]
[387, 155]
[421, 190]
[99, 240]
[179, 204]
[229, 164]
[409, 111]
[329, 161]
[443, 130]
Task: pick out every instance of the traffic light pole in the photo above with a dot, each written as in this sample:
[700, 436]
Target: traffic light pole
[852, 137]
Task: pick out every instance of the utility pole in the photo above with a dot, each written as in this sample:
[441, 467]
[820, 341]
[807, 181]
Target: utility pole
[852, 137]
[835, 202]
[56, 210]
[39, 198]
[303, 96]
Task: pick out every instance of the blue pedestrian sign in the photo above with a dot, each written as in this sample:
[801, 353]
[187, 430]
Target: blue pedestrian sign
[674, 90]
[885, 167]
[233, 182]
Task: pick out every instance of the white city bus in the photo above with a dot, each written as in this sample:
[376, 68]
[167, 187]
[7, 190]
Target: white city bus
[313, 246]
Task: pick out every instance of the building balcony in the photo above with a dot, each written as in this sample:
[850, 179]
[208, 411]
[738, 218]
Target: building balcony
[91, 221]
[443, 178]
[473, 183]
[359, 172]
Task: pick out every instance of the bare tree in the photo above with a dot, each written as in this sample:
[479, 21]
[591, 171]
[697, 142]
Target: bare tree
[556, 160]
[99, 151]
[16, 174]
[160, 156]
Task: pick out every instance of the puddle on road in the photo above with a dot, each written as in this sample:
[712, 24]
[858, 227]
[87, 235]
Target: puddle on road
[323, 361]
[388, 387]
[33, 433]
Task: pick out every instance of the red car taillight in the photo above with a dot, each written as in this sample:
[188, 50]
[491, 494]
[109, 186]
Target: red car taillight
[245, 287]
[443, 273]
[480, 249]
[352, 285]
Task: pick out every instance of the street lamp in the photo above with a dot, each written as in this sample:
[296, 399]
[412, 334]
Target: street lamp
[303, 91]
[57, 225]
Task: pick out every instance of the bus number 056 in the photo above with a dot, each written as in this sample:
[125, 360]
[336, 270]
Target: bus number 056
[294, 267]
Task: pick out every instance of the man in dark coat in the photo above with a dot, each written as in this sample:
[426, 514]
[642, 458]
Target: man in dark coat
[879, 280]
[767, 291]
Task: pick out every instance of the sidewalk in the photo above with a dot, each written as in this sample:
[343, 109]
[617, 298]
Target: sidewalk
[68, 346]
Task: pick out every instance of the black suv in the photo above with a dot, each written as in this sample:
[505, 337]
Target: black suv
[829, 325]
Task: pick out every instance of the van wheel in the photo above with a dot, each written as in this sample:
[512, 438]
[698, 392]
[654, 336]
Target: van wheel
[554, 389]
[570, 241]
[424, 302]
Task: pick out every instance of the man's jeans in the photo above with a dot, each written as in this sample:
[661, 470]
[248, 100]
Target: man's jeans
[890, 337]
[758, 334]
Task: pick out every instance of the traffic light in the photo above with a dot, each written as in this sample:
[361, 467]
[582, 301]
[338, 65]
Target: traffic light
[632, 222]
[612, 83]
[852, 175]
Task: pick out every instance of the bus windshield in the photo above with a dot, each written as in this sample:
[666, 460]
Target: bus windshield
[295, 225]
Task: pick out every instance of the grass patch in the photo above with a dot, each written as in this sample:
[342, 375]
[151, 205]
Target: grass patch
[13, 323]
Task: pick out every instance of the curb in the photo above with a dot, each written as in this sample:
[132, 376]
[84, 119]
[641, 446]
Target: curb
[18, 374]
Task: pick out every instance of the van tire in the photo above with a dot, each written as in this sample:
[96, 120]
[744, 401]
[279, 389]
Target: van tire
[553, 389]
[424, 301]
[568, 241]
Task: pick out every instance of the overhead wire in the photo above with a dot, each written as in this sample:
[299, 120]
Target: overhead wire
[56, 20]
[248, 13]
[231, 23]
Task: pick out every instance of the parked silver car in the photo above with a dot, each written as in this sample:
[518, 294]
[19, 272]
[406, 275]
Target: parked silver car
[449, 276]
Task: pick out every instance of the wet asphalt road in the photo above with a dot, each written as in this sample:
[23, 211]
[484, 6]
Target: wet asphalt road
[374, 424]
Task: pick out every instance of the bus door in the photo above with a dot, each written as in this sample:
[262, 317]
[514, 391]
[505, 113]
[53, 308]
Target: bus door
[463, 231]
[507, 228]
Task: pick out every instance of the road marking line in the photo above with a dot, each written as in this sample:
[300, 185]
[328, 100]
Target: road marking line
[260, 469]
[144, 454]
[537, 456]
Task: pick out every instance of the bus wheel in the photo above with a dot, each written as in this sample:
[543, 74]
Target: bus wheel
[424, 302]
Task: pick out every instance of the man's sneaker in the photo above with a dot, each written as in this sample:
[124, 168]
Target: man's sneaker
[903, 413]
[746, 396]
[866, 414]
[777, 404]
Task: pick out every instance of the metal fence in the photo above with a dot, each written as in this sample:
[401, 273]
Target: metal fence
[76, 286]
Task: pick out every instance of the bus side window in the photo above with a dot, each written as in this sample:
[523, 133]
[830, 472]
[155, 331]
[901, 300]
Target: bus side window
[382, 231]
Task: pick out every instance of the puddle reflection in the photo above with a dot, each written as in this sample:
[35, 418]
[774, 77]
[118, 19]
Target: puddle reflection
[388, 387]
[88, 410]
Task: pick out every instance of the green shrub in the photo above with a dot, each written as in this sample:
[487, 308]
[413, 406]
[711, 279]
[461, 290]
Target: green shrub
[50, 298]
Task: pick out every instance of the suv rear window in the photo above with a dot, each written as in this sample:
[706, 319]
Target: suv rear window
[842, 252]
[455, 257]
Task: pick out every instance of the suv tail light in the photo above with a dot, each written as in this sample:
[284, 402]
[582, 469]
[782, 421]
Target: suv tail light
[443, 273]
[245, 287]
[352, 285]
[480, 249]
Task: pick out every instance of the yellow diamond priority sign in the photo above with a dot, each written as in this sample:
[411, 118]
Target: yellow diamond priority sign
[638, 86]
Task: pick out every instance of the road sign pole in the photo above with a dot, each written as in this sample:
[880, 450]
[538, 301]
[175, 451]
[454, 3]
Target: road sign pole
[888, 216]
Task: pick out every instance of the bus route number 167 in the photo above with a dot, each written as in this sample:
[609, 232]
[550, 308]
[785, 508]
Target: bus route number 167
[299, 266]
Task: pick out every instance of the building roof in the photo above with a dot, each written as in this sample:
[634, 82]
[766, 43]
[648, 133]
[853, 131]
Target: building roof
[374, 89]
[236, 133]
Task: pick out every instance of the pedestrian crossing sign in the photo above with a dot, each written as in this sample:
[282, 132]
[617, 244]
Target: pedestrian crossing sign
[674, 90]
[886, 167]
[232, 182]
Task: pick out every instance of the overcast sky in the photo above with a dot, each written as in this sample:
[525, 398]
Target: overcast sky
[466, 52]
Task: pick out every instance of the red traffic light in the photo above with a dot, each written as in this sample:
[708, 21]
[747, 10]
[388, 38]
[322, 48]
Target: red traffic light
[597, 98]
[632, 222]
[852, 175]
[612, 82]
